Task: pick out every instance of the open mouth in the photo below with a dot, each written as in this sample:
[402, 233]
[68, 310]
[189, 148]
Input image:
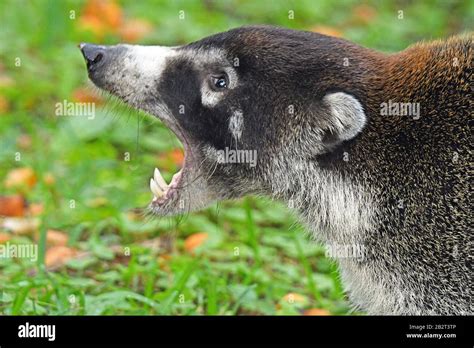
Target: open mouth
[188, 189]
[127, 72]
[163, 192]
[168, 193]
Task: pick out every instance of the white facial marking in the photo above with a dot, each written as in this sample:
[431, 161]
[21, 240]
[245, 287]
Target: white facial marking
[233, 79]
[135, 75]
[148, 60]
[236, 124]
[210, 98]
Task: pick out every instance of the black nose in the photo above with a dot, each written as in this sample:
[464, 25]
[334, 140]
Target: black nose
[92, 53]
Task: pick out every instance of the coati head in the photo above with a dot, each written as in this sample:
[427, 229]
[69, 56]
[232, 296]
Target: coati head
[253, 107]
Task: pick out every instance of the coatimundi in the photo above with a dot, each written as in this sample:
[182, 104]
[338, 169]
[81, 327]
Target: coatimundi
[371, 149]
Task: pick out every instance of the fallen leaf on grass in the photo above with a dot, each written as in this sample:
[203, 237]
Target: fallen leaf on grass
[165, 257]
[58, 255]
[18, 225]
[101, 17]
[164, 262]
[94, 25]
[107, 10]
[316, 311]
[194, 241]
[326, 30]
[4, 237]
[84, 95]
[35, 209]
[55, 238]
[364, 13]
[49, 179]
[135, 29]
[294, 298]
[170, 159]
[20, 177]
[24, 141]
[6, 81]
[4, 105]
[12, 205]
[97, 202]
[177, 156]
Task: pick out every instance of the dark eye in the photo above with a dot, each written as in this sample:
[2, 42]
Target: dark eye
[219, 82]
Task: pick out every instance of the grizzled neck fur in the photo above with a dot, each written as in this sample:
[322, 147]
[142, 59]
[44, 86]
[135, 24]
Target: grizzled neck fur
[357, 186]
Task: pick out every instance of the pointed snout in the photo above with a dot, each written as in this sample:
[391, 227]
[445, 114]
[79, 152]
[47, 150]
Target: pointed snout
[93, 54]
[126, 71]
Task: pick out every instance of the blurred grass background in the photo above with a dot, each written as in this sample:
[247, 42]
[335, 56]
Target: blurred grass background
[73, 184]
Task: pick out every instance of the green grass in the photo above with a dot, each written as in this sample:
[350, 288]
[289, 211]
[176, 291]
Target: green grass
[256, 252]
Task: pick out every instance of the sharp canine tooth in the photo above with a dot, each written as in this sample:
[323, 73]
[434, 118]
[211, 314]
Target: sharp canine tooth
[159, 180]
[157, 192]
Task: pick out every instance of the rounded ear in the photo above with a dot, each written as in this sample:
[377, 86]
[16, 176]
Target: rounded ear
[346, 118]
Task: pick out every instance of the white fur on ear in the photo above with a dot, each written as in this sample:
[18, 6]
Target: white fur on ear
[347, 117]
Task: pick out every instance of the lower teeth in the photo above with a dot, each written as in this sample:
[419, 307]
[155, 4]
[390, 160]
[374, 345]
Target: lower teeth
[158, 185]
